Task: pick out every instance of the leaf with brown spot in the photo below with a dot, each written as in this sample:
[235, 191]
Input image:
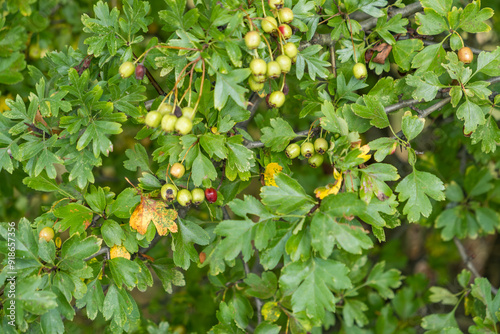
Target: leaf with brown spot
[383, 52]
[150, 210]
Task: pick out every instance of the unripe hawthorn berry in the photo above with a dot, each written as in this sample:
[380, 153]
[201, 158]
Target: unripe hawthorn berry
[211, 195]
[188, 112]
[285, 63]
[359, 71]
[184, 197]
[316, 160]
[198, 196]
[252, 39]
[292, 151]
[258, 79]
[290, 50]
[177, 170]
[465, 55]
[140, 70]
[269, 24]
[126, 69]
[153, 119]
[46, 233]
[254, 85]
[273, 69]
[165, 108]
[307, 149]
[168, 123]
[320, 145]
[183, 125]
[168, 192]
[285, 31]
[286, 15]
[276, 4]
[258, 67]
[276, 99]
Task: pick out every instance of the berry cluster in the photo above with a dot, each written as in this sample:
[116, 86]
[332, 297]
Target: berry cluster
[273, 69]
[312, 152]
[128, 68]
[178, 120]
[185, 197]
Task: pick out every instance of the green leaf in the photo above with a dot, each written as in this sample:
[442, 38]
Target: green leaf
[287, 188]
[96, 198]
[118, 305]
[267, 328]
[137, 158]
[227, 85]
[263, 288]
[442, 7]
[384, 146]
[214, 145]
[96, 133]
[51, 322]
[384, 281]
[412, 125]
[442, 295]
[74, 216]
[77, 248]
[124, 271]
[372, 110]
[168, 275]
[33, 300]
[426, 86]
[43, 183]
[404, 51]
[238, 237]
[239, 157]
[175, 19]
[310, 284]
[278, 136]
[112, 233]
[437, 322]
[488, 134]
[145, 279]
[432, 23]
[203, 169]
[471, 114]
[316, 66]
[332, 121]
[481, 289]
[417, 187]
[396, 25]
[183, 246]
[93, 299]
[354, 310]
[124, 204]
[472, 19]
[429, 60]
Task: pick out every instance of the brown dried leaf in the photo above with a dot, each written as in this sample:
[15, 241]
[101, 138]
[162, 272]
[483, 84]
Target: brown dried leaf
[39, 118]
[150, 210]
[383, 52]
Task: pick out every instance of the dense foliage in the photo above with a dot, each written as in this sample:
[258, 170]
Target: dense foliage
[248, 166]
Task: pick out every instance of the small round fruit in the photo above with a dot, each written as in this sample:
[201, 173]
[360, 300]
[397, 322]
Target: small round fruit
[258, 67]
[126, 69]
[315, 161]
[47, 233]
[359, 71]
[285, 63]
[273, 69]
[285, 30]
[165, 108]
[177, 170]
[153, 119]
[118, 251]
[320, 145]
[35, 52]
[307, 149]
[252, 40]
[465, 55]
[168, 123]
[211, 195]
[275, 4]
[290, 50]
[254, 85]
[183, 125]
[184, 197]
[269, 24]
[292, 151]
[276, 99]
[188, 112]
[258, 79]
[286, 15]
[202, 257]
[168, 192]
[140, 70]
[198, 196]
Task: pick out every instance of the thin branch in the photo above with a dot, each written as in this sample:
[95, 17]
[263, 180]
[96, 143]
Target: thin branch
[467, 261]
[258, 143]
[103, 250]
[252, 107]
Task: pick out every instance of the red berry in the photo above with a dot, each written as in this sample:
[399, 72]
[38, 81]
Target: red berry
[285, 30]
[140, 70]
[211, 195]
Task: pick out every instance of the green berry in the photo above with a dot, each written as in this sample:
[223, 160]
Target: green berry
[188, 112]
[126, 69]
[168, 123]
[276, 99]
[165, 108]
[285, 63]
[269, 24]
[292, 151]
[315, 161]
[254, 85]
[359, 71]
[252, 40]
[198, 196]
[168, 192]
[184, 197]
[320, 145]
[273, 69]
[258, 67]
[275, 4]
[285, 15]
[290, 50]
[307, 149]
[184, 125]
[153, 119]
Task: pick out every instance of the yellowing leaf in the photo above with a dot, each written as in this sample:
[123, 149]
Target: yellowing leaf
[331, 188]
[271, 169]
[119, 251]
[271, 311]
[150, 210]
[364, 155]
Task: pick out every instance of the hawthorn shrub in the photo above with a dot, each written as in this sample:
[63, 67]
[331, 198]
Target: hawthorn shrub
[248, 166]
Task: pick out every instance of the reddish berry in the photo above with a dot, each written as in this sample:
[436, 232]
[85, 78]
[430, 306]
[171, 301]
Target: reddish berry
[140, 70]
[211, 195]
